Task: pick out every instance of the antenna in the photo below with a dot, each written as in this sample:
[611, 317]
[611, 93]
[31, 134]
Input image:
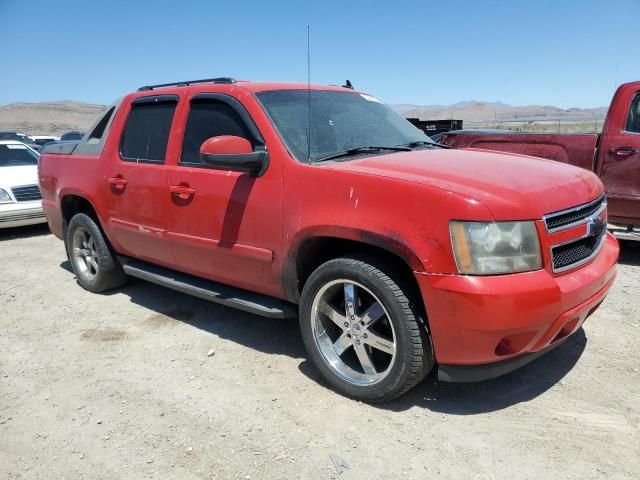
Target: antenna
[308, 95]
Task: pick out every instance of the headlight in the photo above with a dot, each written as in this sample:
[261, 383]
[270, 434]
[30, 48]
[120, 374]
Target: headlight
[493, 248]
[4, 196]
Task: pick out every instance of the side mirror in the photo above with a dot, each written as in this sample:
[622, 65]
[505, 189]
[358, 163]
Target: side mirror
[231, 153]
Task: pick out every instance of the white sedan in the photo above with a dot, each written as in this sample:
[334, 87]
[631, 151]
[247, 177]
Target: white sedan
[20, 198]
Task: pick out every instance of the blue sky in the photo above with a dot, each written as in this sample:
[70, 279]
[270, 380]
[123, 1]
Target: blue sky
[566, 53]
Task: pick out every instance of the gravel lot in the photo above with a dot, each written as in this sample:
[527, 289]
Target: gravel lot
[144, 382]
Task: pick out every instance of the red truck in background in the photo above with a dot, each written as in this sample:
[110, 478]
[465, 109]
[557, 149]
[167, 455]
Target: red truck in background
[398, 255]
[613, 155]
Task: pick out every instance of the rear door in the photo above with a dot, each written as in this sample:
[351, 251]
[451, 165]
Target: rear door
[225, 226]
[620, 167]
[137, 180]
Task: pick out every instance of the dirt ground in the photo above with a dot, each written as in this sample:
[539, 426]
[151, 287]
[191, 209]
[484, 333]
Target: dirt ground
[144, 382]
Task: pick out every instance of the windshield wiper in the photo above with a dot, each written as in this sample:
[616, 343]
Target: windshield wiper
[357, 151]
[425, 142]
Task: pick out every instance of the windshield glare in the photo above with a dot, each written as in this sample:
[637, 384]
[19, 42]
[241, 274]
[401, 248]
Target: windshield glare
[17, 155]
[340, 121]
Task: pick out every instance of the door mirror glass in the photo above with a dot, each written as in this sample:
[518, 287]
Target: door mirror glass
[231, 153]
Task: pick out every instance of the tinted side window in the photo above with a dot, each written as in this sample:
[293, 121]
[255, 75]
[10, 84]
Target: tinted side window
[147, 131]
[102, 125]
[633, 120]
[210, 118]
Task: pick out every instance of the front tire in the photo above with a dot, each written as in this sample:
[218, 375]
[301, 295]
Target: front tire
[361, 330]
[93, 262]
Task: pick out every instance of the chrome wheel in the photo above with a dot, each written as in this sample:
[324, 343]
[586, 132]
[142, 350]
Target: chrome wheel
[353, 332]
[84, 253]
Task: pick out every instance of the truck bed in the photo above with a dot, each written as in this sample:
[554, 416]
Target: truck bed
[574, 149]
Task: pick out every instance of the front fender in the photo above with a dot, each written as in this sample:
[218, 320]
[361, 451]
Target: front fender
[391, 242]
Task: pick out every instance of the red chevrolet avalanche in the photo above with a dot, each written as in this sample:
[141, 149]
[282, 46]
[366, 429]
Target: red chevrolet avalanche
[398, 255]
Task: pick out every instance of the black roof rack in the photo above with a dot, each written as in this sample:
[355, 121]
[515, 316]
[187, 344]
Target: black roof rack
[188, 82]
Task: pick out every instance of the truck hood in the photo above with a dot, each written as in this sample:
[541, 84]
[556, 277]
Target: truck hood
[18, 176]
[513, 187]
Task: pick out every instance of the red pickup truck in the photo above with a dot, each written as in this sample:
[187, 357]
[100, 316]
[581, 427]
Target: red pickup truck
[397, 254]
[614, 155]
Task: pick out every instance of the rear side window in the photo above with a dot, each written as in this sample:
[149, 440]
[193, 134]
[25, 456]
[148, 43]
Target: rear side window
[633, 120]
[210, 118]
[146, 133]
[98, 132]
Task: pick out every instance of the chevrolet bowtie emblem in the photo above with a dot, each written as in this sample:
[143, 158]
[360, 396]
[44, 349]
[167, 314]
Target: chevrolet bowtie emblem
[595, 226]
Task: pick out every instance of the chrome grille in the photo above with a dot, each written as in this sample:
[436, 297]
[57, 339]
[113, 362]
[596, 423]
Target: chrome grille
[26, 193]
[21, 216]
[580, 250]
[576, 253]
[573, 216]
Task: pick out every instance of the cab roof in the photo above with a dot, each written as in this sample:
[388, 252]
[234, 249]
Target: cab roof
[214, 84]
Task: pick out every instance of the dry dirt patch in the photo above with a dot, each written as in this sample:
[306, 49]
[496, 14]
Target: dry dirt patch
[144, 382]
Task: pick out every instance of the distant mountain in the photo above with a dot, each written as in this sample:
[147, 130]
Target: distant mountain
[401, 108]
[475, 103]
[48, 118]
[55, 118]
[473, 111]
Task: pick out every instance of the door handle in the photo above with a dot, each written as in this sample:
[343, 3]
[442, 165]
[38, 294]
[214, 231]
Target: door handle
[118, 182]
[623, 152]
[183, 192]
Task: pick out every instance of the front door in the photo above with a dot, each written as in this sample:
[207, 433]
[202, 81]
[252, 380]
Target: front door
[620, 168]
[225, 226]
[137, 181]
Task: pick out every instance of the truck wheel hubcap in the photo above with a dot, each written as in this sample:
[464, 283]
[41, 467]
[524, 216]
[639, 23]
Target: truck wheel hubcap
[353, 332]
[84, 254]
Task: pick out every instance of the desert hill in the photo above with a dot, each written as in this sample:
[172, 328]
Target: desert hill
[493, 112]
[56, 117]
[48, 118]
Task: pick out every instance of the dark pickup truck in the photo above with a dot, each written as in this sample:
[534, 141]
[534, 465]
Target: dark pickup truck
[613, 155]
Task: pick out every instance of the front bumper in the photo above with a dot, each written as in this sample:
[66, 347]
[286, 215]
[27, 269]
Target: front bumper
[483, 327]
[21, 214]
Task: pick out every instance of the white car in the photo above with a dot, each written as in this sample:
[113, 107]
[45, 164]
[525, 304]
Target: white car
[42, 140]
[20, 198]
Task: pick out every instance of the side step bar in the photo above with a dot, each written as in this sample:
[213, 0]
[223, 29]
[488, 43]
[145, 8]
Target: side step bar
[214, 292]
[633, 235]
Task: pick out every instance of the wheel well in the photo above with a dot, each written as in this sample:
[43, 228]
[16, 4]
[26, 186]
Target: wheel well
[316, 251]
[72, 204]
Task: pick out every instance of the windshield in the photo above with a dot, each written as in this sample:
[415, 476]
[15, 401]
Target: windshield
[340, 121]
[20, 137]
[14, 155]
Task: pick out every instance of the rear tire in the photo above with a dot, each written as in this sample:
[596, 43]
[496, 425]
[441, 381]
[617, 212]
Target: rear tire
[94, 263]
[361, 330]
